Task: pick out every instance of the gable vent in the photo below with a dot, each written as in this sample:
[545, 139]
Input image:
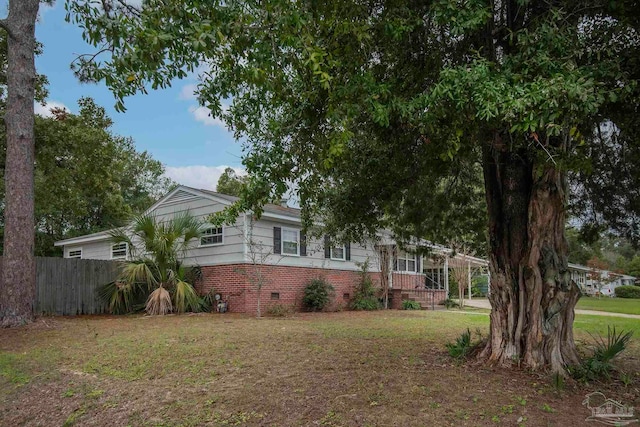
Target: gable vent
[180, 196]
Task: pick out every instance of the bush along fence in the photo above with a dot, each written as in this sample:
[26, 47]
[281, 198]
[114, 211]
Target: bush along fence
[67, 286]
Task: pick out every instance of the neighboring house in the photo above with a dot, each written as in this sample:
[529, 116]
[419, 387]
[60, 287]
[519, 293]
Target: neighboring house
[288, 258]
[593, 281]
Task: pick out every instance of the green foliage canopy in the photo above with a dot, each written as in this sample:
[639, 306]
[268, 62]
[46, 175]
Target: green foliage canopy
[633, 267]
[230, 183]
[617, 253]
[87, 179]
[377, 110]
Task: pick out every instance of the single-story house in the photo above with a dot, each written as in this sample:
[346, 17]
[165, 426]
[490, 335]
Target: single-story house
[288, 259]
[277, 244]
[593, 281]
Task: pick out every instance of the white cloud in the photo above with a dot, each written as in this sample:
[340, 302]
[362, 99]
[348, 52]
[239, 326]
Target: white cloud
[204, 177]
[203, 115]
[44, 9]
[203, 68]
[45, 110]
[188, 92]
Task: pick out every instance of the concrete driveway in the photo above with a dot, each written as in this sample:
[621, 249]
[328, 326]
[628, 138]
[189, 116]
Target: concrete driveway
[484, 303]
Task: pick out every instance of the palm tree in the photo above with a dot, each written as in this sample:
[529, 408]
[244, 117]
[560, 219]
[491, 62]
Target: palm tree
[154, 266]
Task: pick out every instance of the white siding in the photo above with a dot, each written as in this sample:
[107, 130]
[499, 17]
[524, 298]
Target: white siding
[234, 250]
[263, 236]
[231, 251]
[93, 250]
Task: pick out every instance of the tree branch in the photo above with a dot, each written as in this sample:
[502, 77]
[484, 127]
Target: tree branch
[4, 24]
[132, 10]
[80, 59]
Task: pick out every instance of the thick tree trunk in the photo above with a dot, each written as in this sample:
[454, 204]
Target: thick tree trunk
[532, 295]
[17, 287]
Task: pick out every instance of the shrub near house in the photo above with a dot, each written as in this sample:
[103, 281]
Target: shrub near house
[628, 291]
[153, 271]
[318, 295]
[365, 297]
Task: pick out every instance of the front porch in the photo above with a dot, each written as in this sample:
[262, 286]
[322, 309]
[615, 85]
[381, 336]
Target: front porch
[429, 299]
[409, 275]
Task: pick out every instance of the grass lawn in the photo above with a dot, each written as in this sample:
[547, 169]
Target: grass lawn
[337, 369]
[613, 305]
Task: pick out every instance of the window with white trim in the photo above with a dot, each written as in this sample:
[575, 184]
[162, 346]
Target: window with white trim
[75, 253]
[405, 261]
[290, 241]
[211, 236]
[119, 250]
[338, 253]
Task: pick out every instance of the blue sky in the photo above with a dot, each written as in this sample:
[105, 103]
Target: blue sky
[168, 123]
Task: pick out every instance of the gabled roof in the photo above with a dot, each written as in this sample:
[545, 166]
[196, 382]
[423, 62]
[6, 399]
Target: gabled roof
[578, 267]
[270, 211]
[269, 208]
[587, 269]
[93, 237]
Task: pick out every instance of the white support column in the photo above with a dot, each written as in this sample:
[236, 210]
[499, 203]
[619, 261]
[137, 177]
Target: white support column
[469, 284]
[446, 276]
[390, 256]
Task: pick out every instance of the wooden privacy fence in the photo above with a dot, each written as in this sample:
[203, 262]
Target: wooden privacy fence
[67, 286]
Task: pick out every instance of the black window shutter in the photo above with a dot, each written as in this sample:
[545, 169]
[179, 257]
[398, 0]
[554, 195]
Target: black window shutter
[277, 240]
[418, 266]
[347, 251]
[303, 243]
[327, 247]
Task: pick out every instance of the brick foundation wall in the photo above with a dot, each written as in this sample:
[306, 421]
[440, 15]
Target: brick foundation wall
[407, 280]
[233, 282]
[228, 281]
[404, 283]
[398, 295]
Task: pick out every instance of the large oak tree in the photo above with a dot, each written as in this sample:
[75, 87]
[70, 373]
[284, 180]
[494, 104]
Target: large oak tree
[379, 110]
